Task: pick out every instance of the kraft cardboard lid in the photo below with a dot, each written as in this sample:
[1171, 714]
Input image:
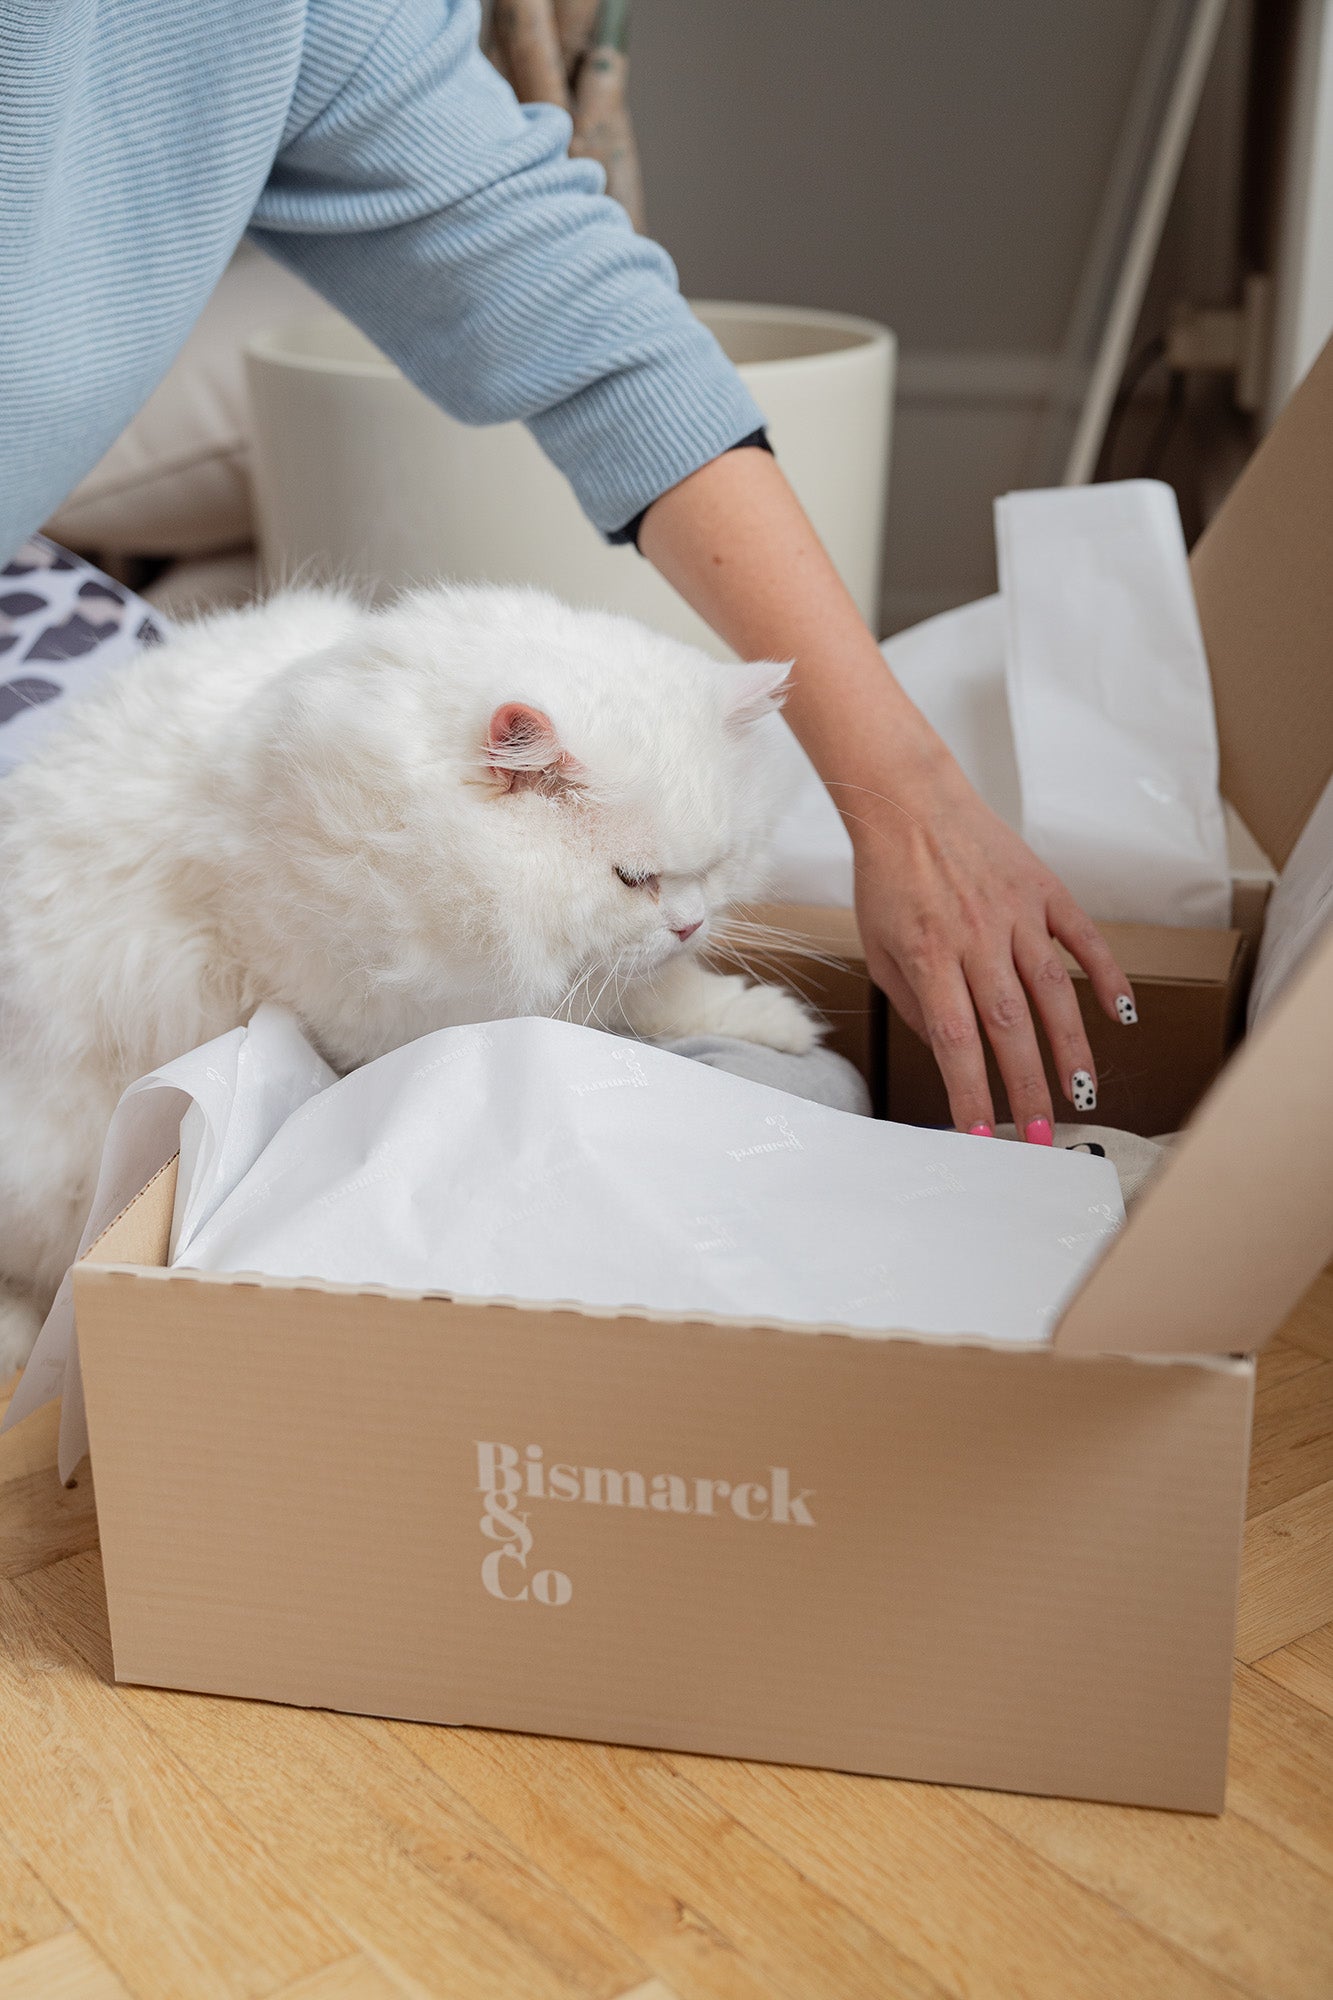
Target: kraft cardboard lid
[1263, 577]
[1240, 1220]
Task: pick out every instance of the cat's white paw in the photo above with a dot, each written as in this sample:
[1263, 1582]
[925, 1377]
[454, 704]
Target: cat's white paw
[768, 1015]
[20, 1323]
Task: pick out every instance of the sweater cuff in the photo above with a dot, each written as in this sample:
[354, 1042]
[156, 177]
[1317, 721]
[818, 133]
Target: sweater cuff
[631, 435]
[757, 441]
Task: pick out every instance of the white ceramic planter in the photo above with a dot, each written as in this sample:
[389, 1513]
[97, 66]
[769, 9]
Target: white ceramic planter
[358, 474]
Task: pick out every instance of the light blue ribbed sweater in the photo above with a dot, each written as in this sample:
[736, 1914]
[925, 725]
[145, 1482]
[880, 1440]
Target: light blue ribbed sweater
[369, 145]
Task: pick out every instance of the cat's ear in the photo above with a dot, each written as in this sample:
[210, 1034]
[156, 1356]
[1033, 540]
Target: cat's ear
[758, 688]
[524, 751]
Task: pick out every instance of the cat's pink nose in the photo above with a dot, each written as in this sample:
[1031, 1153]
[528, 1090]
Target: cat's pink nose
[686, 931]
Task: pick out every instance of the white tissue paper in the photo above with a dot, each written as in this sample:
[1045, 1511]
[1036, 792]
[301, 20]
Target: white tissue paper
[1092, 656]
[952, 667]
[1110, 702]
[810, 856]
[534, 1159]
[221, 1104]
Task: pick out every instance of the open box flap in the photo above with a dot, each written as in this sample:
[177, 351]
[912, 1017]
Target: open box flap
[1240, 1220]
[1263, 577]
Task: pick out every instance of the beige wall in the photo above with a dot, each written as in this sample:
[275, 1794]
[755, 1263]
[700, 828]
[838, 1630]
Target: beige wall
[936, 164]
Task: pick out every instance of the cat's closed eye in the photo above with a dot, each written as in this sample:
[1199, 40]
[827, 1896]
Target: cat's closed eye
[636, 878]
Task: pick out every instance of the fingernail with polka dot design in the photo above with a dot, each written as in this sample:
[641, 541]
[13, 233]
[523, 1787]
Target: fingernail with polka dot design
[1083, 1091]
[1127, 1011]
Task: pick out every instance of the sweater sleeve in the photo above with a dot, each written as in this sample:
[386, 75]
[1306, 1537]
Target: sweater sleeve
[424, 201]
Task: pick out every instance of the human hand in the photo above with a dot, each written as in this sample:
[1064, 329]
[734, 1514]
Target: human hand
[960, 922]
[959, 918]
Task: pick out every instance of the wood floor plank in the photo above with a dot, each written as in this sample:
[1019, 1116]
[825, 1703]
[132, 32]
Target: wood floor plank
[1286, 1578]
[700, 1899]
[1293, 1439]
[165, 1884]
[64, 1968]
[207, 1848]
[42, 1521]
[1310, 1325]
[1280, 1362]
[419, 1880]
[987, 1917]
[1224, 1890]
[28, 1911]
[351, 1979]
[1305, 1668]
[1281, 1768]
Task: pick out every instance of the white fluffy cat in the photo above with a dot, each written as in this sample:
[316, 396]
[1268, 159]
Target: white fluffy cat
[475, 803]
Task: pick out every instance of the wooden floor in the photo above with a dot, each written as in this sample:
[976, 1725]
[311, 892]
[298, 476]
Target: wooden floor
[175, 1846]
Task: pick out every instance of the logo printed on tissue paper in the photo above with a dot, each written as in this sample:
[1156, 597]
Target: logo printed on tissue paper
[635, 1077]
[884, 1293]
[381, 1165]
[502, 1480]
[787, 1143]
[945, 1181]
[476, 1044]
[532, 1193]
[1110, 1224]
[717, 1232]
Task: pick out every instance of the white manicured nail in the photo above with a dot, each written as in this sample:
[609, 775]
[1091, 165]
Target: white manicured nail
[1083, 1091]
[1127, 1011]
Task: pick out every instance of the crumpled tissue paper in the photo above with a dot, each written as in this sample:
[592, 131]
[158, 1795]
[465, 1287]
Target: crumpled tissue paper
[534, 1159]
[1079, 705]
[1111, 704]
[220, 1105]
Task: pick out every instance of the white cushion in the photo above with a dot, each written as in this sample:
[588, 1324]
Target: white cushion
[200, 584]
[176, 481]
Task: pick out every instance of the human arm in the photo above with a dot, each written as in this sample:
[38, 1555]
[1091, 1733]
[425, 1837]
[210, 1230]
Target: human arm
[419, 197]
[960, 919]
[446, 220]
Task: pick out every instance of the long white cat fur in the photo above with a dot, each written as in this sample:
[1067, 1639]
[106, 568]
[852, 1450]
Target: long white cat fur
[475, 803]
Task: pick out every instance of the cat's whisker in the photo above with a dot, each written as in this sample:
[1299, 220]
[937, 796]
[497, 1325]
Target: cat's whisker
[567, 998]
[620, 997]
[596, 1016]
[869, 825]
[784, 943]
[309, 824]
[845, 785]
[792, 945]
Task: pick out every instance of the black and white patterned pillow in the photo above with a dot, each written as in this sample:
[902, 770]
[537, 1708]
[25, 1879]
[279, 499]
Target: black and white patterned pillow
[63, 625]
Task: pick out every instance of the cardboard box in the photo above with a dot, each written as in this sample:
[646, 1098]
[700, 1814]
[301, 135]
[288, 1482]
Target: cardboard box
[930, 1559]
[1190, 986]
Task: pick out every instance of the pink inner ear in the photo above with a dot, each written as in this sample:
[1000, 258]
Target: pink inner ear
[759, 688]
[522, 748]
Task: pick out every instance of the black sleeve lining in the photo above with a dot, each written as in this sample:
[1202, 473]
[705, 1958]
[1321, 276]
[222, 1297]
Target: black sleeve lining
[757, 441]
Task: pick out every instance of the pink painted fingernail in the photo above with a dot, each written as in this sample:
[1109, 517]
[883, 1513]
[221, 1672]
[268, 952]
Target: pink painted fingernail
[980, 1132]
[1039, 1133]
